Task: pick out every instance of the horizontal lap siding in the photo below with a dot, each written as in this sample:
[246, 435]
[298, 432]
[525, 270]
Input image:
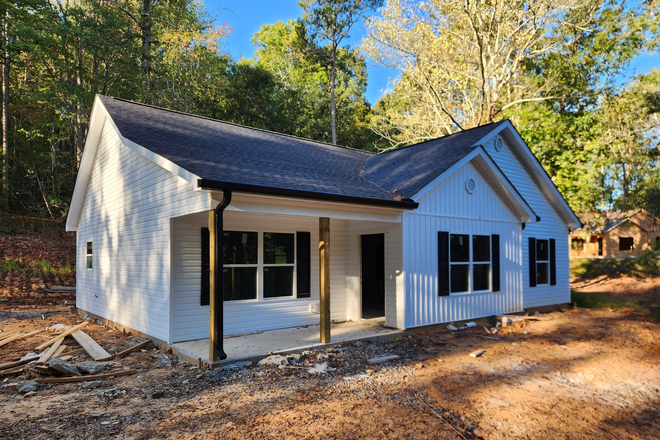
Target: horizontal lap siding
[550, 226]
[191, 320]
[125, 214]
[449, 207]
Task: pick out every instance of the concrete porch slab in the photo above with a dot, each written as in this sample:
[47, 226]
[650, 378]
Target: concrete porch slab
[255, 346]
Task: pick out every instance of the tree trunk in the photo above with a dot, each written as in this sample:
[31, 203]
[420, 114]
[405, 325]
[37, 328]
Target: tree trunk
[5, 114]
[332, 93]
[145, 26]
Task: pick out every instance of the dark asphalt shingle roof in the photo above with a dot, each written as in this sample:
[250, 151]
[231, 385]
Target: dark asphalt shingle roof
[233, 154]
[409, 169]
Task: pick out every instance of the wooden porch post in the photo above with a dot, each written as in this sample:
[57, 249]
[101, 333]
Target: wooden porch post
[324, 263]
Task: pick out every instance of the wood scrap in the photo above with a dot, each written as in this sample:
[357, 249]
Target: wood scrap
[4, 336]
[18, 336]
[49, 353]
[93, 349]
[10, 371]
[121, 354]
[477, 353]
[86, 378]
[61, 336]
[10, 365]
[59, 351]
[71, 353]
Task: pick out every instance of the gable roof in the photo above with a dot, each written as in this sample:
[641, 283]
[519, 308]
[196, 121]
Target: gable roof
[407, 170]
[213, 154]
[606, 221]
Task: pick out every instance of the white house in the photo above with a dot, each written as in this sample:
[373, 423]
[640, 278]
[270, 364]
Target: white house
[456, 228]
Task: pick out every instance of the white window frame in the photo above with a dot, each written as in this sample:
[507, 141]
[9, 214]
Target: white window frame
[538, 261]
[89, 255]
[471, 265]
[260, 266]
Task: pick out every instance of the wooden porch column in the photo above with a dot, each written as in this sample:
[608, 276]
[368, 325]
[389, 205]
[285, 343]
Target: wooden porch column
[324, 277]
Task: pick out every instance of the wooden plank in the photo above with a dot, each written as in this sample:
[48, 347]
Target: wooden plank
[324, 273]
[121, 354]
[18, 336]
[93, 349]
[72, 352]
[4, 336]
[61, 336]
[49, 353]
[381, 359]
[85, 378]
[59, 351]
[476, 354]
[10, 365]
[15, 370]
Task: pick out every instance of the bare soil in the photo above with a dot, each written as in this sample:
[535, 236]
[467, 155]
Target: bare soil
[580, 374]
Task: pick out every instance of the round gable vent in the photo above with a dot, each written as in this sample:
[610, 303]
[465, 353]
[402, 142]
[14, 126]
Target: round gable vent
[498, 144]
[470, 185]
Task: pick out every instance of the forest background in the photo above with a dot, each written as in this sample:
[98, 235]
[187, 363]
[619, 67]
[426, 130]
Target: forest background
[559, 69]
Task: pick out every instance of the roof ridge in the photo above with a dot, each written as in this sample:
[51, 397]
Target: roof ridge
[441, 137]
[238, 125]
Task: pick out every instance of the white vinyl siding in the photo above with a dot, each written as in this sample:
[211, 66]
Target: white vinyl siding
[550, 226]
[449, 207]
[126, 211]
[191, 320]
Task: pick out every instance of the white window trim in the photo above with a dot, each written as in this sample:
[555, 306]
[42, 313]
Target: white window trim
[471, 263]
[546, 262]
[260, 267]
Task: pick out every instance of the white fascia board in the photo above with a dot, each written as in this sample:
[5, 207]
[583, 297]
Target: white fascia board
[536, 171]
[263, 204]
[495, 177]
[156, 158]
[96, 123]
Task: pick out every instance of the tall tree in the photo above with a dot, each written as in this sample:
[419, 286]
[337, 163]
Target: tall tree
[332, 20]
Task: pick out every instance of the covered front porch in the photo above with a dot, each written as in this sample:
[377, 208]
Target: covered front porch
[289, 266]
[257, 345]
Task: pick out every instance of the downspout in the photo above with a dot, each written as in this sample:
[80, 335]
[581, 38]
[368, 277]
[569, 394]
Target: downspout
[218, 303]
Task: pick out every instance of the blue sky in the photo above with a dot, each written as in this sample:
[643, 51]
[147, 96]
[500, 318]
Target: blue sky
[246, 17]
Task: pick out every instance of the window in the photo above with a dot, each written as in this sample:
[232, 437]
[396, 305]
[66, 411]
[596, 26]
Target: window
[469, 263]
[262, 265]
[542, 262]
[626, 244]
[578, 244]
[89, 255]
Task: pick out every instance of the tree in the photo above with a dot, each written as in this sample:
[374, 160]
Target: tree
[332, 20]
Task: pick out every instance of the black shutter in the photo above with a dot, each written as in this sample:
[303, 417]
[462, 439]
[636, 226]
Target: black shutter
[206, 269]
[495, 246]
[532, 262]
[553, 265]
[304, 264]
[443, 263]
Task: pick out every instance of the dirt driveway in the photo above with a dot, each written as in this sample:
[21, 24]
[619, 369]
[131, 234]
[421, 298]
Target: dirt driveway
[579, 374]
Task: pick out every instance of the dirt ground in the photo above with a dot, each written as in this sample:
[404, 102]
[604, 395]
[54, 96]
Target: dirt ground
[579, 374]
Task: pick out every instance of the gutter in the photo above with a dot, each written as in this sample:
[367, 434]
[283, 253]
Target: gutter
[218, 275]
[206, 184]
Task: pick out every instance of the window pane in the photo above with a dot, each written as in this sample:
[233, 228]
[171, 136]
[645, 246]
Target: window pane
[239, 283]
[89, 248]
[89, 262]
[278, 281]
[542, 250]
[459, 248]
[541, 273]
[240, 247]
[460, 277]
[278, 248]
[625, 243]
[481, 247]
[481, 277]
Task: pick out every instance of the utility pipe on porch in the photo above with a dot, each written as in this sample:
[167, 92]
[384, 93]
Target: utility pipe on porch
[324, 266]
[216, 237]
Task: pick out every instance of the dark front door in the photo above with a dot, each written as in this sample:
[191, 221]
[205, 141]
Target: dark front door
[600, 246]
[373, 276]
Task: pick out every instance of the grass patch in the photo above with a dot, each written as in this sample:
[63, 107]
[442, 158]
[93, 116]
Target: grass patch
[596, 300]
[645, 265]
[41, 268]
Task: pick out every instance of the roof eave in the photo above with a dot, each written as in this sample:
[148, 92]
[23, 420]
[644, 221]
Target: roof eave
[208, 184]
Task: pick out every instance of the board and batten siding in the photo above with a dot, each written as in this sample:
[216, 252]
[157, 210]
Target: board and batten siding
[393, 270]
[126, 215]
[449, 207]
[550, 226]
[191, 320]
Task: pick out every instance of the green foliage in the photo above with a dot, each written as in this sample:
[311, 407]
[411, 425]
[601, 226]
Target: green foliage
[41, 268]
[646, 264]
